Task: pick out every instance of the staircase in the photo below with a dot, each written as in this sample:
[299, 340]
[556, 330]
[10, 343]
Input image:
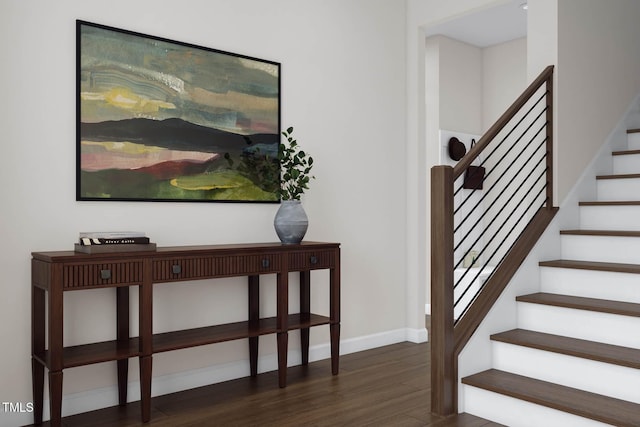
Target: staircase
[574, 359]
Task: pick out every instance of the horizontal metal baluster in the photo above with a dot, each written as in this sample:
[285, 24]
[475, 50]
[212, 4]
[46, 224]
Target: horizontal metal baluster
[503, 207]
[503, 225]
[505, 155]
[499, 178]
[489, 277]
[512, 129]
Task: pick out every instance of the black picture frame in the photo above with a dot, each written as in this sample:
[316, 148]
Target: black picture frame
[163, 120]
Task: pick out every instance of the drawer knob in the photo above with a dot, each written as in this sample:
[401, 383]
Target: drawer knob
[105, 274]
[265, 263]
[313, 259]
[176, 269]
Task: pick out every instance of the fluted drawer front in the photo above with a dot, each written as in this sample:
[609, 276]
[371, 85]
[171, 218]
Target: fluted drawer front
[310, 260]
[205, 267]
[78, 276]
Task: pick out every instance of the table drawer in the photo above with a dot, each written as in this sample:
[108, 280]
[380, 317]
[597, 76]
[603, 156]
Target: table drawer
[78, 276]
[311, 260]
[167, 270]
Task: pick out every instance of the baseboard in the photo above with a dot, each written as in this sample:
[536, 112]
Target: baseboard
[427, 309]
[108, 396]
[417, 335]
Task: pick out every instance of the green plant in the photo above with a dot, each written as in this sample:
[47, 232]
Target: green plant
[295, 167]
[261, 168]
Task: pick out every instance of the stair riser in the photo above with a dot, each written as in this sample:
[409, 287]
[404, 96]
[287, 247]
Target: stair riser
[633, 141]
[591, 284]
[514, 412]
[601, 218]
[621, 189]
[588, 325]
[627, 163]
[597, 377]
[601, 248]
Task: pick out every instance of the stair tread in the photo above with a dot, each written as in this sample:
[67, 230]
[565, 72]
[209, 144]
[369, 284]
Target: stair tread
[582, 303]
[625, 152]
[611, 203]
[592, 265]
[616, 233]
[578, 402]
[619, 176]
[608, 353]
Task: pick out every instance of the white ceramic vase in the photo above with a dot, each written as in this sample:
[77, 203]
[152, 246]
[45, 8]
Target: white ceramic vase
[291, 222]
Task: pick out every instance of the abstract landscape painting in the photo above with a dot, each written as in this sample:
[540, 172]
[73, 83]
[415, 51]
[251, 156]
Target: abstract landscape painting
[160, 120]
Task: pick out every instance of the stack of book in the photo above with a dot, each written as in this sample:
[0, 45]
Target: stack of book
[113, 241]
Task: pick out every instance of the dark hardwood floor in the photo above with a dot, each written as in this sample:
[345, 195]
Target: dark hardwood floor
[386, 386]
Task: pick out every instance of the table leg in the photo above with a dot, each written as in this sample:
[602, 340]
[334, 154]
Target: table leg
[56, 348]
[283, 324]
[146, 341]
[123, 377]
[37, 372]
[55, 398]
[145, 387]
[122, 310]
[305, 311]
[37, 347]
[283, 341]
[334, 329]
[254, 322]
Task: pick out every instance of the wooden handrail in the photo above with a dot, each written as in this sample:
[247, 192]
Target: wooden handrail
[465, 162]
[449, 338]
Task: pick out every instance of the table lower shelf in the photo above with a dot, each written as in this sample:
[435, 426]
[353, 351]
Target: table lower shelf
[87, 354]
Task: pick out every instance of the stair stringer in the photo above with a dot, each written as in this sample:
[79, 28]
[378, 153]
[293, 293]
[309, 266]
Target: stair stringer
[477, 354]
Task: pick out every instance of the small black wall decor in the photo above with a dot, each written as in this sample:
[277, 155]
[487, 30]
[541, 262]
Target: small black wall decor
[161, 120]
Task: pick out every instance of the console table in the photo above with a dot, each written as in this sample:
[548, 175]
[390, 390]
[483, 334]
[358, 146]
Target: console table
[53, 273]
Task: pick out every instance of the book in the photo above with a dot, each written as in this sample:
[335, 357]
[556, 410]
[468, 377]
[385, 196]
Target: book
[87, 241]
[112, 234]
[104, 249]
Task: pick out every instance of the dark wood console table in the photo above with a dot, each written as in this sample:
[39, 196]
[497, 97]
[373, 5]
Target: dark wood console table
[53, 273]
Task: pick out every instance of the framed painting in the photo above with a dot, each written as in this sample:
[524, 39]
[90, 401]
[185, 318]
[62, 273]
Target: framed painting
[160, 120]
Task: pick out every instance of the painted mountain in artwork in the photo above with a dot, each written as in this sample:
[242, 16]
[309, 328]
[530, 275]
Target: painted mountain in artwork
[176, 134]
[174, 159]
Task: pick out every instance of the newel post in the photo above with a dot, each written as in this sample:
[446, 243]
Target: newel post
[550, 140]
[443, 375]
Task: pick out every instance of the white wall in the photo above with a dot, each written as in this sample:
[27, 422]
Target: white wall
[596, 89]
[504, 77]
[594, 45]
[460, 86]
[343, 88]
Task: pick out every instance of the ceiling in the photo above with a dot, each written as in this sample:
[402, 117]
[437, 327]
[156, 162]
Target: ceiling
[487, 27]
